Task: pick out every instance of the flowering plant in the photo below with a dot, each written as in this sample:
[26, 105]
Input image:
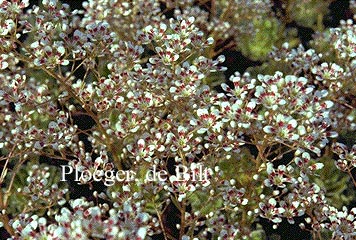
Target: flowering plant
[117, 121]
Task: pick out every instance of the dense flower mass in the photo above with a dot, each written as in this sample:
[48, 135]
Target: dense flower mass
[119, 121]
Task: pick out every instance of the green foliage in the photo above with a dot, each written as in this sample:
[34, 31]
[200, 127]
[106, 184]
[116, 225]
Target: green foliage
[201, 202]
[308, 13]
[258, 234]
[241, 167]
[214, 79]
[335, 183]
[268, 32]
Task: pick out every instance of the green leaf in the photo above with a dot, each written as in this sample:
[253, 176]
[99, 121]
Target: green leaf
[200, 202]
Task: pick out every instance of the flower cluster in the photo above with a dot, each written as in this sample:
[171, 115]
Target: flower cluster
[138, 86]
[347, 158]
[84, 220]
[342, 222]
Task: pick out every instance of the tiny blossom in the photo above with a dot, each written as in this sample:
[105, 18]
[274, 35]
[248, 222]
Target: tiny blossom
[207, 120]
[299, 58]
[141, 151]
[89, 221]
[347, 158]
[178, 45]
[303, 162]
[223, 230]
[200, 15]
[181, 186]
[130, 123]
[167, 56]
[247, 115]
[231, 112]
[292, 208]
[342, 223]
[6, 27]
[270, 210]
[323, 71]
[284, 128]
[206, 65]
[233, 196]
[49, 56]
[182, 26]
[158, 140]
[125, 53]
[150, 33]
[189, 74]
[267, 94]
[343, 39]
[14, 7]
[278, 177]
[308, 194]
[99, 32]
[3, 63]
[55, 136]
[181, 141]
[241, 85]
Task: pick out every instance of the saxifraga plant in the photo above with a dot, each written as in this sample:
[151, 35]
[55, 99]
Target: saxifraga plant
[171, 149]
